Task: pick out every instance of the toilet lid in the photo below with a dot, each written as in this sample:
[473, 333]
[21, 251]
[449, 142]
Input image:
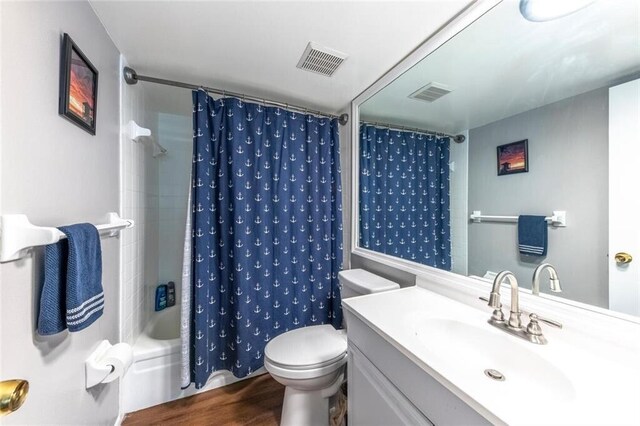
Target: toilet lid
[307, 346]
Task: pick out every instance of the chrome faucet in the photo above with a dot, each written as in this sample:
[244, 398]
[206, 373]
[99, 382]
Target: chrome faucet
[554, 281]
[532, 332]
[494, 300]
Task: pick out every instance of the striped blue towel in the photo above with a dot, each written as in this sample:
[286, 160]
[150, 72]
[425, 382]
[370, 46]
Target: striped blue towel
[532, 235]
[72, 295]
[52, 315]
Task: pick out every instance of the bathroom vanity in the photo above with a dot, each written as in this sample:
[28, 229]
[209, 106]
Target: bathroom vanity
[427, 355]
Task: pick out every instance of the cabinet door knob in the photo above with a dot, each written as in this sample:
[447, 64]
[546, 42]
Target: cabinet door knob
[623, 258]
[12, 395]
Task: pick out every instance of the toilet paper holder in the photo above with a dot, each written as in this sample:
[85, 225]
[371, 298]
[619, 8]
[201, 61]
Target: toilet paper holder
[100, 368]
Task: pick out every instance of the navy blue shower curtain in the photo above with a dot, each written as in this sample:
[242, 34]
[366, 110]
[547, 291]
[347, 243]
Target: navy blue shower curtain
[404, 195]
[267, 230]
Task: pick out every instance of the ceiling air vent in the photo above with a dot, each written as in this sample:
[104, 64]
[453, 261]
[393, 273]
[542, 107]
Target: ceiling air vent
[431, 92]
[320, 59]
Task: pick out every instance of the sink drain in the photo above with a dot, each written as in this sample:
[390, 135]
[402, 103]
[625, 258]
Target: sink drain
[494, 374]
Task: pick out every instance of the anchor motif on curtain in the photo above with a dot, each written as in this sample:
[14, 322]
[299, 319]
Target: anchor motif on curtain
[404, 195]
[269, 259]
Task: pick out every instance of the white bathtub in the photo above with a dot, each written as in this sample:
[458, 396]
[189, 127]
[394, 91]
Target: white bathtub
[154, 377]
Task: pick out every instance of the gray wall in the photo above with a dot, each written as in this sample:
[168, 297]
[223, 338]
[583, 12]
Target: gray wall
[568, 170]
[55, 173]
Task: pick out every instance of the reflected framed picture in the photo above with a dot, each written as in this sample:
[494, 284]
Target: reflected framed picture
[78, 86]
[513, 158]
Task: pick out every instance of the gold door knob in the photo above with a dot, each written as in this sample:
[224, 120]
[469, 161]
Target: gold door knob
[623, 258]
[12, 395]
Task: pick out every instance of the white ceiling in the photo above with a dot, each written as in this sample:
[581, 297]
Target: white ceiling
[503, 65]
[253, 47]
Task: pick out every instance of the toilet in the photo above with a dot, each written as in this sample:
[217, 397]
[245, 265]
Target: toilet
[311, 361]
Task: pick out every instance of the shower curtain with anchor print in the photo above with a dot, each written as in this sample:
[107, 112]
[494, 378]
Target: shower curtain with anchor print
[266, 231]
[404, 195]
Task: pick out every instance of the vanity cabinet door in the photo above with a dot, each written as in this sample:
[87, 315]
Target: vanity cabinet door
[374, 400]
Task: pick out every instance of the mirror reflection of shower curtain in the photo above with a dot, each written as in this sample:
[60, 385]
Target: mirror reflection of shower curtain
[266, 231]
[404, 195]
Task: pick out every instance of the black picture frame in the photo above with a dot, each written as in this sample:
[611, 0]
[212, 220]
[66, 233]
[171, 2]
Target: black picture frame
[78, 95]
[513, 158]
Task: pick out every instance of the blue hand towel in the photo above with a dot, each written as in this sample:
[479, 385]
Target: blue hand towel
[532, 235]
[72, 295]
[52, 316]
[85, 298]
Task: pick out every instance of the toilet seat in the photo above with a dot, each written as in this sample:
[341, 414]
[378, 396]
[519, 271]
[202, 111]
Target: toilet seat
[306, 352]
[308, 373]
[309, 366]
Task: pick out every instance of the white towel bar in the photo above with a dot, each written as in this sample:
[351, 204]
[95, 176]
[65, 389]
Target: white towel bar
[18, 235]
[558, 219]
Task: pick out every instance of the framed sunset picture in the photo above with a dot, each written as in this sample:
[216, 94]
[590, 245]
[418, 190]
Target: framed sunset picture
[78, 86]
[513, 158]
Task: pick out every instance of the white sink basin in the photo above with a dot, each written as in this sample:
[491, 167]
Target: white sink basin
[587, 374]
[474, 349]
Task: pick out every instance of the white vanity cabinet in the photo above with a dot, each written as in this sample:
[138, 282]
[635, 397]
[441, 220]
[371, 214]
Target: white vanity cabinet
[387, 388]
[374, 400]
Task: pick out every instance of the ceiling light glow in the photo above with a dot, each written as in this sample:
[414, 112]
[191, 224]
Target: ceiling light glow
[547, 10]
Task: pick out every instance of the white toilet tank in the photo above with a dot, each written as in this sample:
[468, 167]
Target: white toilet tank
[358, 282]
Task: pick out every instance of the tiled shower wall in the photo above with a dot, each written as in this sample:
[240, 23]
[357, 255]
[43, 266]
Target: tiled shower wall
[138, 201]
[459, 183]
[175, 134]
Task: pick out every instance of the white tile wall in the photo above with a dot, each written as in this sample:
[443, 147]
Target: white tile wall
[138, 201]
[459, 183]
[154, 193]
[175, 134]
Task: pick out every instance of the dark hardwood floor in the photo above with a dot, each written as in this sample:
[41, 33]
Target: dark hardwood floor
[256, 401]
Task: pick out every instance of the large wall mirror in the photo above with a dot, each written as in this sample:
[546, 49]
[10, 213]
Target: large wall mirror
[549, 114]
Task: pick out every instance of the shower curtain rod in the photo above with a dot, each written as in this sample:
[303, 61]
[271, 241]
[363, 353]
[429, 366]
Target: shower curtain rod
[132, 77]
[456, 138]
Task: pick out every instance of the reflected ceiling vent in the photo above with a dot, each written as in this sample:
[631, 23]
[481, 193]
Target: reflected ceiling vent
[320, 59]
[431, 92]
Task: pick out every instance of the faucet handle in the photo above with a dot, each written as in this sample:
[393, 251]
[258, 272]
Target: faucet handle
[486, 299]
[546, 320]
[497, 315]
[534, 327]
